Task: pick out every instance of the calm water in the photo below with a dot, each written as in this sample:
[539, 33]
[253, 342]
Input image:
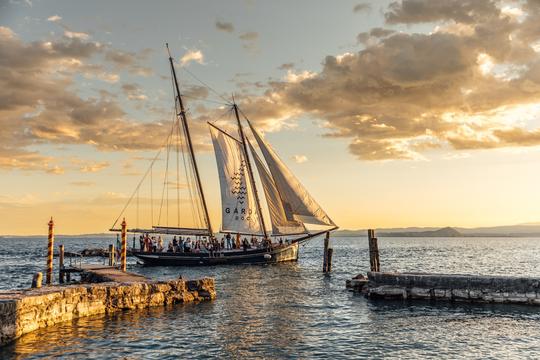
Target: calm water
[294, 311]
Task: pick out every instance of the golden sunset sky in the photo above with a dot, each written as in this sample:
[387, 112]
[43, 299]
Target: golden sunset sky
[391, 113]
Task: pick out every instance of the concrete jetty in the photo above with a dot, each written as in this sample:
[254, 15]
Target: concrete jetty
[450, 287]
[109, 290]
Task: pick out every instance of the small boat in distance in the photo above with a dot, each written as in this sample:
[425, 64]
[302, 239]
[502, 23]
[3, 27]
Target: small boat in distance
[290, 208]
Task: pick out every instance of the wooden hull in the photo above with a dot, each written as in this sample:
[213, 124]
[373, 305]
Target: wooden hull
[234, 257]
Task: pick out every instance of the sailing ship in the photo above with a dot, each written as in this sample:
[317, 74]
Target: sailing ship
[291, 209]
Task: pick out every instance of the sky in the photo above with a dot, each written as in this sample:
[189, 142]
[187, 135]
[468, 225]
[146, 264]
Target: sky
[391, 113]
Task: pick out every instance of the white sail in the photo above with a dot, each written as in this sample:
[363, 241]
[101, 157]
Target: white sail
[294, 196]
[282, 223]
[239, 208]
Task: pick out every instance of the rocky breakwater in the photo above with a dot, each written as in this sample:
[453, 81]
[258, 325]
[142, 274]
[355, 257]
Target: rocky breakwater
[23, 311]
[472, 288]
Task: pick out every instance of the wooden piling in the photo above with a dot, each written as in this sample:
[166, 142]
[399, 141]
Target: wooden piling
[124, 245]
[374, 261]
[112, 255]
[61, 264]
[329, 256]
[50, 252]
[325, 254]
[36, 280]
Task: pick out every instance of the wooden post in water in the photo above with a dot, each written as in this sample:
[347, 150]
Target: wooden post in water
[326, 260]
[112, 255]
[329, 263]
[37, 279]
[50, 253]
[124, 245]
[374, 262]
[61, 264]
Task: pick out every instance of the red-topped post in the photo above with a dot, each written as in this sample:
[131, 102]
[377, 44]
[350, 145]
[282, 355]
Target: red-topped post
[50, 252]
[124, 246]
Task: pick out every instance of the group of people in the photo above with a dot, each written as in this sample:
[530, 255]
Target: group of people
[204, 244]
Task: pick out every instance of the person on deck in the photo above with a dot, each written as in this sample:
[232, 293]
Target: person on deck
[174, 244]
[170, 249]
[228, 237]
[181, 244]
[160, 244]
[141, 243]
[222, 243]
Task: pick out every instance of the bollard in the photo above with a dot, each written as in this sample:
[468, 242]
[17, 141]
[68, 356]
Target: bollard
[36, 280]
[50, 253]
[112, 255]
[325, 252]
[374, 261]
[61, 263]
[124, 244]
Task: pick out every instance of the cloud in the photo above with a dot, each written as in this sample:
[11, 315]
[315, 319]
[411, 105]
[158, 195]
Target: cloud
[76, 35]
[133, 92]
[193, 55]
[471, 83]
[249, 40]
[54, 18]
[362, 7]
[39, 104]
[82, 183]
[286, 66]
[224, 26]
[299, 159]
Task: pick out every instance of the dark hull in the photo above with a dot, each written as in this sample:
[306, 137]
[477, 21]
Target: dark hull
[235, 257]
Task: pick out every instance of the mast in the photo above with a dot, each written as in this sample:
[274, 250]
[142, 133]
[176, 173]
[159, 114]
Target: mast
[190, 145]
[250, 171]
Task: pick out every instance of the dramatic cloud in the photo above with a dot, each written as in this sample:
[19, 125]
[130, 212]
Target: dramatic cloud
[463, 85]
[224, 26]
[39, 104]
[193, 55]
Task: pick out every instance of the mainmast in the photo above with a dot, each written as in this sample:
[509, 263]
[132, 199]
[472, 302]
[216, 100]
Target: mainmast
[250, 171]
[182, 115]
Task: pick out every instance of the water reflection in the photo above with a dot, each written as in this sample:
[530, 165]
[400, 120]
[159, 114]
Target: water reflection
[293, 310]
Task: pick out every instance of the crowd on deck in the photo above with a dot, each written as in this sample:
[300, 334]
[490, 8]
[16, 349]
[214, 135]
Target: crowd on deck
[181, 244]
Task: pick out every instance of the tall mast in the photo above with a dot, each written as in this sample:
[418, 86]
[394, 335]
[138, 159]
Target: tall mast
[182, 115]
[250, 171]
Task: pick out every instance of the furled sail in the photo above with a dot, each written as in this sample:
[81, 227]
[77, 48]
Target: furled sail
[294, 196]
[283, 223]
[239, 208]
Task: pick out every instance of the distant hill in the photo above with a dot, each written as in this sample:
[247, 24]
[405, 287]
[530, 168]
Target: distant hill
[444, 232]
[520, 230]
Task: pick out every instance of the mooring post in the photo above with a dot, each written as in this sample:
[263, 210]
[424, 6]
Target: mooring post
[61, 264]
[329, 256]
[124, 244]
[112, 254]
[326, 266]
[50, 252]
[374, 262]
[36, 280]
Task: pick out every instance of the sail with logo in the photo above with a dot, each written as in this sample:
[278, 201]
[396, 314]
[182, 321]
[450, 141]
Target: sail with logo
[182, 234]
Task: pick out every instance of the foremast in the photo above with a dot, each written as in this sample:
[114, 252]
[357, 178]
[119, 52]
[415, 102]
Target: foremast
[185, 126]
[250, 170]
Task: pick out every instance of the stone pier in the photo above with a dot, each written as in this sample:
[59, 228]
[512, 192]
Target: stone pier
[23, 311]
[471, 288]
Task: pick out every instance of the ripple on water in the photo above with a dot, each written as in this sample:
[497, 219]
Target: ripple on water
[295, 311]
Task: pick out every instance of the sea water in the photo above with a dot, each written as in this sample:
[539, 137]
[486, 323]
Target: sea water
[293, 310]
